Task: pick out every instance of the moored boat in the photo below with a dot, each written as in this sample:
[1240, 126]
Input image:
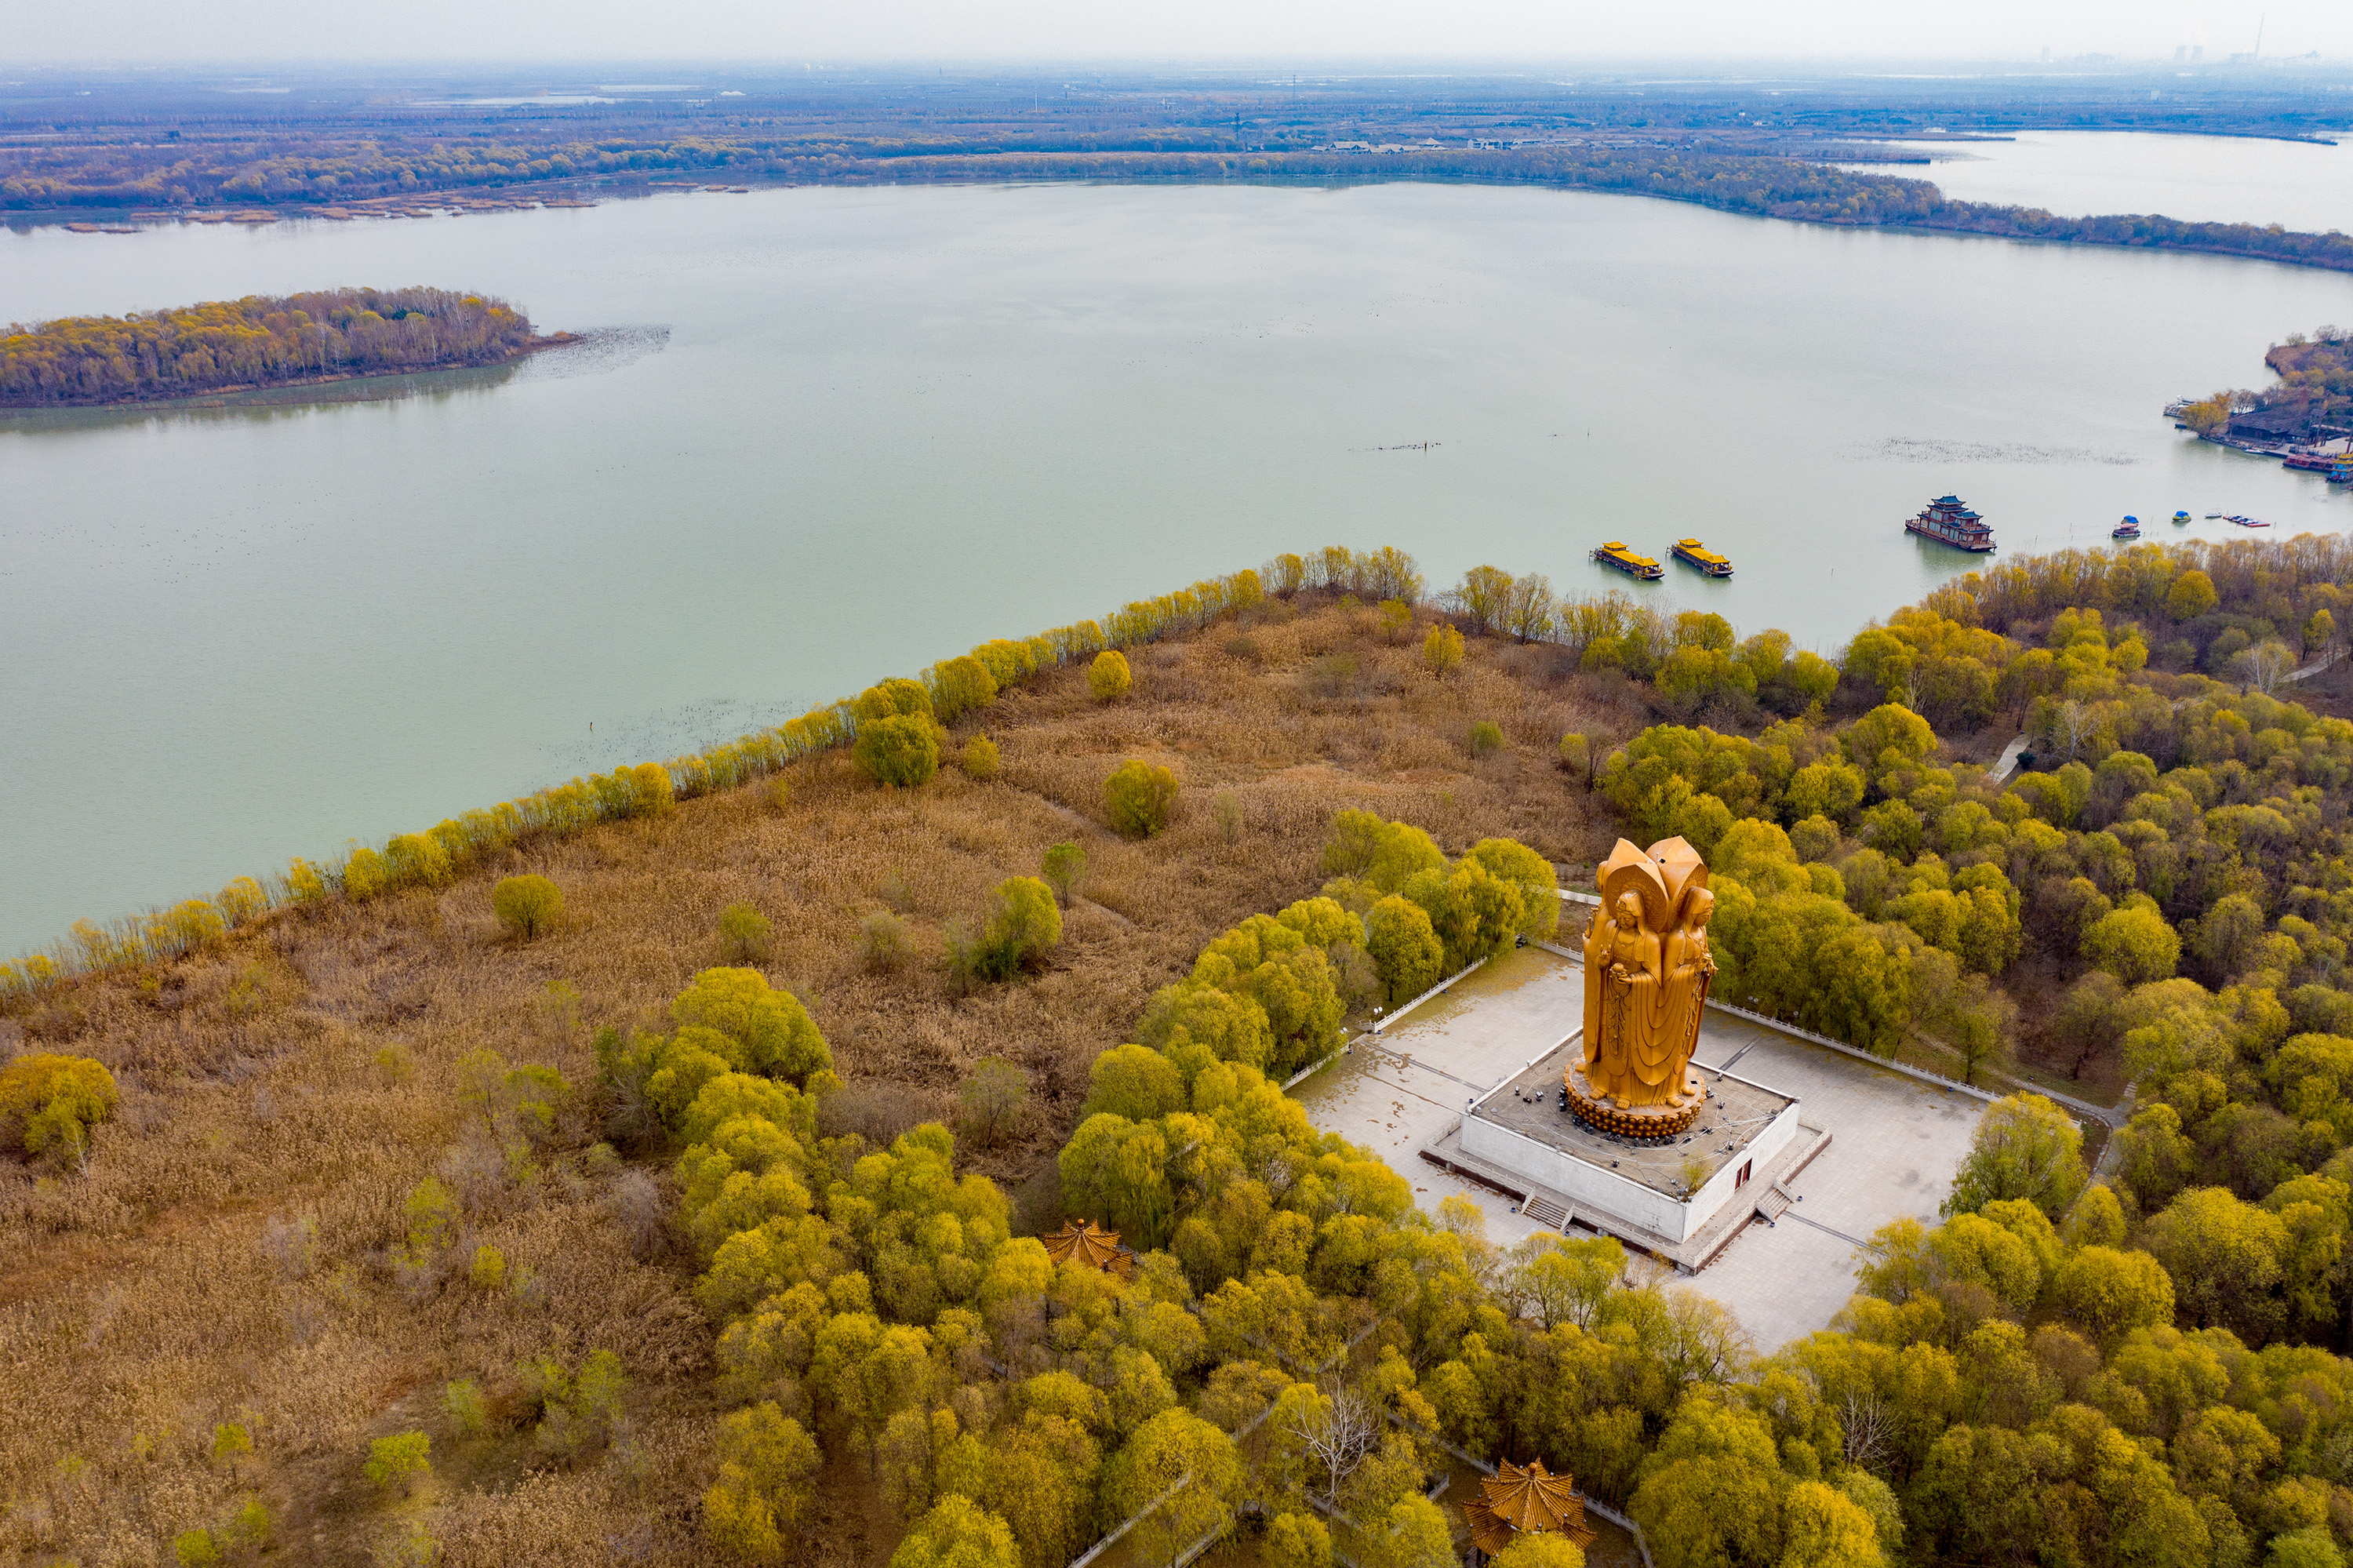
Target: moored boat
[2181, 517]
[1949, 522]
[1691, 553]
[2127, 529]
[1616, 553]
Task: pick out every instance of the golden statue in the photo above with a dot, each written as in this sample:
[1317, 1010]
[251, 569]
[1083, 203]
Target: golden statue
[1646, 975]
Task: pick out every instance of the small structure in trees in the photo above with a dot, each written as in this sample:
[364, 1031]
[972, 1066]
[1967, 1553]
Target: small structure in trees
[1078, 1241]
[1528, 1501]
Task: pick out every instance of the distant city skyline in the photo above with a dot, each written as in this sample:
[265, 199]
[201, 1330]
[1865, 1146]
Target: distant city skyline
[1305, 32]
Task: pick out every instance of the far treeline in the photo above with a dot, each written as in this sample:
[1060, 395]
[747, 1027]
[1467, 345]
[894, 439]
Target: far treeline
[1756, 179]
[256, 341]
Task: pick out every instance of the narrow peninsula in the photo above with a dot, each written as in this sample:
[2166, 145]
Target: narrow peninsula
[260, 341]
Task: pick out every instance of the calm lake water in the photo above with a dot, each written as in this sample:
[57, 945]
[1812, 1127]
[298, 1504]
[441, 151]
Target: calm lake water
[886, 424]
[2203, 179]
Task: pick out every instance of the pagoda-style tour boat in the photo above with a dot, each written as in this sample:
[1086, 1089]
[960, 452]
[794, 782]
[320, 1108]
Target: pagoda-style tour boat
[1691, 553]
[1615, 553]
[1947, 522]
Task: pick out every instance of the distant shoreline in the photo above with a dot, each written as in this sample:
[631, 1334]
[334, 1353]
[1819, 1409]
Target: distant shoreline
[1773, 185]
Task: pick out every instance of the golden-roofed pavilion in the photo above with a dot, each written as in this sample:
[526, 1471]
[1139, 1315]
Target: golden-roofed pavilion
[1529, 1500]
[1081, 1241]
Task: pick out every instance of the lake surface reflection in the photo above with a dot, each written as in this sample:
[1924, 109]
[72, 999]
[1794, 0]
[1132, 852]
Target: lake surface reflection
[886, 424]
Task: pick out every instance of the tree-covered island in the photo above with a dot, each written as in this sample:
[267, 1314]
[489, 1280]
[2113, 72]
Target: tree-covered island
[259, 341]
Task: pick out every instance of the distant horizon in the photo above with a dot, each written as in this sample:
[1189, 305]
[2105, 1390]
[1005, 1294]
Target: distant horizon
[1873, 63]
[1229, 34]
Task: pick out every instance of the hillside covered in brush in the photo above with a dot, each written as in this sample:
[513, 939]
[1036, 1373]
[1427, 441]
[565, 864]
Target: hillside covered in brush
[653, 1169]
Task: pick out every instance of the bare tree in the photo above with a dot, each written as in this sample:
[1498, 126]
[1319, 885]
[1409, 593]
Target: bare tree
[2071, 725]
[2264, 666]
[1866, 1430]
[1339, 1431]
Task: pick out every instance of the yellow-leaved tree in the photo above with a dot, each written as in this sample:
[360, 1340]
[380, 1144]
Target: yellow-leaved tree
[1140, 797]
[49, 1103]
[1109, 677]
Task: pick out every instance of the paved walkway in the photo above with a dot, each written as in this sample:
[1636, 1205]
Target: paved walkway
[1894, 1145]
[2326, 660]
[2008, 763]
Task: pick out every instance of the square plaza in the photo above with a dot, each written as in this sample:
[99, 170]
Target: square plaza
[1894, 1141]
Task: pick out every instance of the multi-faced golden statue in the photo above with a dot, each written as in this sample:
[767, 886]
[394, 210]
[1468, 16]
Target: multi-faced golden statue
[1646, 974]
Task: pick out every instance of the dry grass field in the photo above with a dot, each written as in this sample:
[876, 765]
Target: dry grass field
[228, 1257]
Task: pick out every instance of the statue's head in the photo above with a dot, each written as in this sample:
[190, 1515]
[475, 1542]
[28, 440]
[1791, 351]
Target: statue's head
[1629, 910]
[1697, 906]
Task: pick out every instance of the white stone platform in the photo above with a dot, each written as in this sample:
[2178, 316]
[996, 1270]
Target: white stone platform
[1888, 1144]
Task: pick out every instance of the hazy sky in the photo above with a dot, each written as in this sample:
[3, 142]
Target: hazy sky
[1300, 31]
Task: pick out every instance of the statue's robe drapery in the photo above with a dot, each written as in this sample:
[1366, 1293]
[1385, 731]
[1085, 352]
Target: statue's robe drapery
[1647, 970]
[1684, 1004]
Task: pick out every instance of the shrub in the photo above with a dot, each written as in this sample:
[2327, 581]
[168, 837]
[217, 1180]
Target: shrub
[882, 940]
[463, 1402]
[49, 1103]
[902, 750]
[1109, 677]
[231, 1442]
[1443, 650]
[895, 698]
[527, 905]
[1227, 809]
[1487, 736]
[980, 759]
[1141, 797]
[1026, 925]
[959, 686]
[1333, 675]
[991, 1096]
[1061, 866]
[364, 874]
[745, 931]
[489, 1271]
[395, 1462]
[780, 792]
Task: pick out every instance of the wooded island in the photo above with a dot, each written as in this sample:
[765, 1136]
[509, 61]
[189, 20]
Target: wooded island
[259, 341]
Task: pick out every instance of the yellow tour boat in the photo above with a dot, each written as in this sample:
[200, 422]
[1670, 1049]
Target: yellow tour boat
[1615, 553]
[1691, 553]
